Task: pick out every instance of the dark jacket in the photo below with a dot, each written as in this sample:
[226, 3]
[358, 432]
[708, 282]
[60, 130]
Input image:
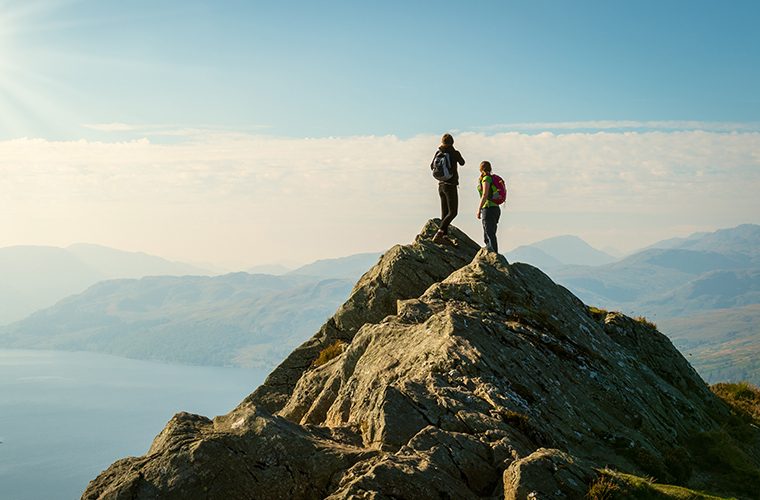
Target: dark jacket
[455, 158]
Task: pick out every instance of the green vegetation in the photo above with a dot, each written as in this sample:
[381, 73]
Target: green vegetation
[742, 397]
[597, 312]
[646, 322]
[730, 454]
[724, 460]
[612, 485]
[673, 465]
[604, 488]
[330, 352]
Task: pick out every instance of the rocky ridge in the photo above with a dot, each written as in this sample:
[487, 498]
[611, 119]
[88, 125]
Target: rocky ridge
[462, 376]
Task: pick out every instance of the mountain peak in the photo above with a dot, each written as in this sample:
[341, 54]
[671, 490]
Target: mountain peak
[560, 250]
[403, 272]
[452, 375]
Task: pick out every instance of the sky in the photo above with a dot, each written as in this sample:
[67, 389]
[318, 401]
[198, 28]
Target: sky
[244, 133]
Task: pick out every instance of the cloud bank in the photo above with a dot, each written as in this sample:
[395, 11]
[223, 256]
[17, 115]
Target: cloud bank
[246, 199]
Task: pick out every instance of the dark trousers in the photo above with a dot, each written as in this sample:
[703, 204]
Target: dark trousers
[490, 218]
[449, 204]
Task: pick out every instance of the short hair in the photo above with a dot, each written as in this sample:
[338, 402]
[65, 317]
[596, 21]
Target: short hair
[485, 166]
[447, 140]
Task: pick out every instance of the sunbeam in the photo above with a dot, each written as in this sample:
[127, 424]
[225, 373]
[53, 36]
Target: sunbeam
[33, 99]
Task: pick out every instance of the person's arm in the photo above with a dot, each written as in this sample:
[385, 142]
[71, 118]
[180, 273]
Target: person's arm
[485, 187]
[460, 159]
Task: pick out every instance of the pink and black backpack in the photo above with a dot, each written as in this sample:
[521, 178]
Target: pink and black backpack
[501, 190]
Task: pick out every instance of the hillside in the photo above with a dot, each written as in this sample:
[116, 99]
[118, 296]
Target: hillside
[38, 276]
[723, 345]
[235, 319]
[705, 271]
[743, 239]
[35, 277]
[449, 373]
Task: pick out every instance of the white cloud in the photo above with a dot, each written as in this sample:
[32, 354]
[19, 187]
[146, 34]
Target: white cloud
[254, 199]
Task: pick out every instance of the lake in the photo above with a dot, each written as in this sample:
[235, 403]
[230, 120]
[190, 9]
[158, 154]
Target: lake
[66, 416]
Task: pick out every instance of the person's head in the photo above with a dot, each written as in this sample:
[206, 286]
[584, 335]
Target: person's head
[447, 140]
[485, 167]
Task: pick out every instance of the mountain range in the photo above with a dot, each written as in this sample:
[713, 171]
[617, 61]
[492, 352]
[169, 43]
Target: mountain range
[234, 319]
[38, 276]
[349, 267]
[669, 283]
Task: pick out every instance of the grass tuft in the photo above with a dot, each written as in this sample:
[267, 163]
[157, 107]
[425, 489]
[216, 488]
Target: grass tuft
[644, 321]
[612, 485]
[597, 312]
[604, 488]
[742, 397]
[330, 352]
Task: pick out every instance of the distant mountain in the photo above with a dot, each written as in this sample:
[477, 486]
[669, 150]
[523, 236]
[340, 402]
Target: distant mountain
[533, 256]
[632, 279]
[38, 276]
[274, 269]
[34, 277]
[560, 250]
[351, 267]
[113, 263]
[743, 239]
[235, 319]
[712, 290]
[723, 345]
[717, 270]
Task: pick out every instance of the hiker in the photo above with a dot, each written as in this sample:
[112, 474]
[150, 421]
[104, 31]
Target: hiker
[444, 166]
[492, 193]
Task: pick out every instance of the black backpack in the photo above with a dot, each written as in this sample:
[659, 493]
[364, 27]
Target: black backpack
[441, 166]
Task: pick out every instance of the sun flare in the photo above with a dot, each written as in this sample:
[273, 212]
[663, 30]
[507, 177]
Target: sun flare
[28, 101]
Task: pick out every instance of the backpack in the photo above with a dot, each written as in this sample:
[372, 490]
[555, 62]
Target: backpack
[441, 166]
[501, 190]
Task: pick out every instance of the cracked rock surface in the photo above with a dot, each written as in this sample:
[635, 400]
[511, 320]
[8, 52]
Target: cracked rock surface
[462, 377]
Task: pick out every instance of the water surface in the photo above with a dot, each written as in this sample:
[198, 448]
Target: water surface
[66, 416]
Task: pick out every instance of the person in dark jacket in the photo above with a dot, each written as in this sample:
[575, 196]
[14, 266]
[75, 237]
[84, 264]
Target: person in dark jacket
[447, 190]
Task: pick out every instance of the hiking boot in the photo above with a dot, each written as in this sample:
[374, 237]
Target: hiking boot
[439, 237]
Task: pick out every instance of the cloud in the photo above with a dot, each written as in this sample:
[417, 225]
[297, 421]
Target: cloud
[248, 198]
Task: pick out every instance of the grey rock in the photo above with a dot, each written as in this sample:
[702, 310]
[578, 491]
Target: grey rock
[547, 473]
[403, 272]
[247, 454]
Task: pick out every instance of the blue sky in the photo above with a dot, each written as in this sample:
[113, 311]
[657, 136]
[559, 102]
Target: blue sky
[353, 68]
[246, 132]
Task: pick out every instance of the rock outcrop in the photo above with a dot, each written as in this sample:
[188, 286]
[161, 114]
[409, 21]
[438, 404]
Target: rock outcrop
[403, 272]
[462, 377]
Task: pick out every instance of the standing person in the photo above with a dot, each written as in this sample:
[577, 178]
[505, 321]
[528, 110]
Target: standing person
[447, 185]
[488, 210]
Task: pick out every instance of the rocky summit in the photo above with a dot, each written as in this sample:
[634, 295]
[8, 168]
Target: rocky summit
[448, 373]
